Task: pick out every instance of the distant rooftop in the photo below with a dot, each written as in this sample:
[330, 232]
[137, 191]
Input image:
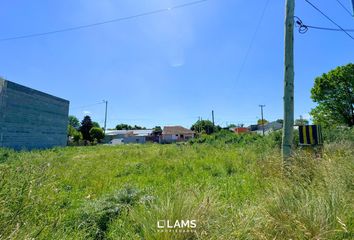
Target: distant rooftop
[143, 132]
[176, 130]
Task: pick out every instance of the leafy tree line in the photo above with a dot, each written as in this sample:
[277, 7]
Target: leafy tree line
[124, 126]
[87, 130]
[205, 126]
[334, 94]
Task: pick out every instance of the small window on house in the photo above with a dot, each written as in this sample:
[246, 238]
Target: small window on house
[176, 135]
[182, 136]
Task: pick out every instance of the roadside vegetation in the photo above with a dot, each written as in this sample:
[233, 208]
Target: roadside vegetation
[233, 185]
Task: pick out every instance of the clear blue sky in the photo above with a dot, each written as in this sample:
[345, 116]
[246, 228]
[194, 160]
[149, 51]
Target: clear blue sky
[172, 67]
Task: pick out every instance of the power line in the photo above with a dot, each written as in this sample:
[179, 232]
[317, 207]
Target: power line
[303, 28]
[252, 41]
[85, 106]
[329, 29]
[103, 22]
[345, 8]
[329, 19]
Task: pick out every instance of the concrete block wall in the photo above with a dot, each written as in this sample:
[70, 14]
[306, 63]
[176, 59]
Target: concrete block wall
[30, 119]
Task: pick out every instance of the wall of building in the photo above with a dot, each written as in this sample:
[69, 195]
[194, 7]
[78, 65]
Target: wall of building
[169, 138]
[30, 119]
[134, 139]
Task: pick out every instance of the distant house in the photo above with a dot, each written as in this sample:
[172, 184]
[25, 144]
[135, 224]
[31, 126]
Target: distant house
[268, 127]
[239, 130]
[172, 134]
[128, 136]
[114, 135]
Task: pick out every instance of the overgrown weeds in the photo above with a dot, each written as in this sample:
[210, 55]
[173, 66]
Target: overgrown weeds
[233, 191]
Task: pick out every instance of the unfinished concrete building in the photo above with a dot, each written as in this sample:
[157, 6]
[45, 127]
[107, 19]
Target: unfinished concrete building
[30, 119]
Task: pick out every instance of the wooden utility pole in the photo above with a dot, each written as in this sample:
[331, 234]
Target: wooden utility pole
[212, 116]
[262, 106]
[288, 82]
[105, 116]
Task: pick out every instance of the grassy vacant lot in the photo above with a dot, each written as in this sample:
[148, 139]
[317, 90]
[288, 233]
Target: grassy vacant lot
[233, 190]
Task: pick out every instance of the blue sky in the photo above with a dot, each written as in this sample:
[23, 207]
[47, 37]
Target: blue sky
[169, 68]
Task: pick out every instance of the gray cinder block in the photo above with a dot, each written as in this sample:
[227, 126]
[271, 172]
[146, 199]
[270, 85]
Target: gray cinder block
[30, 119]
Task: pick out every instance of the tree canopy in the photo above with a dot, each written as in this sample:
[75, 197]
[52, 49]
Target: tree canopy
[301, 122]
[74, 122]
[97, 134]
[204, 126]
[260, 122]
[96, 124]
[71, 131]
[124, 126]
[334, 94]
[157, 130]
[86, 125]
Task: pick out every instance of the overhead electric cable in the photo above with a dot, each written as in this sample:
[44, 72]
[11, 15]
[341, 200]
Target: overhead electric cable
[345, 8]
[303, 28]
[342, 29]
[252, 41]
[103, 22]
[86, 106]
[330, 29]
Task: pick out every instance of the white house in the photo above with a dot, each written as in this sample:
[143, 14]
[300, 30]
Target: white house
[128, 136]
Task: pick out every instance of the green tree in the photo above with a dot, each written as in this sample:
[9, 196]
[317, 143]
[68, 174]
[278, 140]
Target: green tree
[74, 122]
[281, 121]
[124, 126]
[204, 126]
[96, 124]
[77, 136]
[157, 130]
[301, 122]
[136, 127]
[259, 122]
[97, 133]
[86, 125]
[334, 94]
[71, 131]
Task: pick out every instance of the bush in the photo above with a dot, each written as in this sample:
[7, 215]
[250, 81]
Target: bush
[226, 137]
[97, 134]
[77, 137]
[338, 134]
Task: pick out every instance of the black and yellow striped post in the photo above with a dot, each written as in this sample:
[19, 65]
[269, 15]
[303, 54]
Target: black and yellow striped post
[310, 138]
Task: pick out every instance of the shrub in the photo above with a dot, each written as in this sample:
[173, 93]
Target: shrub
[97, 134]
[338, 134]
[77, 137]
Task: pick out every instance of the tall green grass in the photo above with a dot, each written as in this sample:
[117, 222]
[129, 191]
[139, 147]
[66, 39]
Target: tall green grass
[235, 190]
